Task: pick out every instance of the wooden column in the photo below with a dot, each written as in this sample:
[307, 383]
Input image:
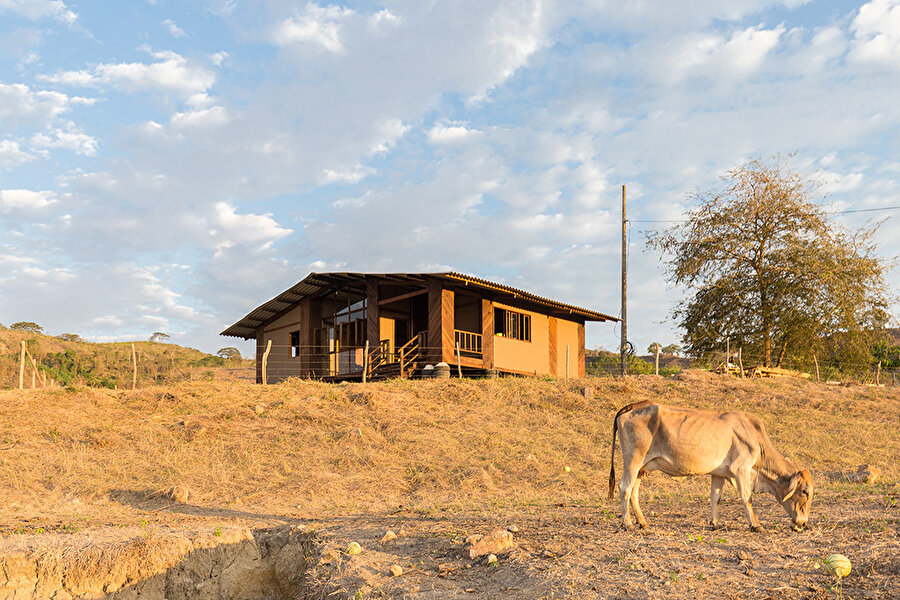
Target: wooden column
[554, 354]
[487, 334]
[373, 326]
[260, 349]
[580, 352]
[441, 340]
[306, 338]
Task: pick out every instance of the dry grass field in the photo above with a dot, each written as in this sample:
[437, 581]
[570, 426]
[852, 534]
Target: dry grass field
[85, 476]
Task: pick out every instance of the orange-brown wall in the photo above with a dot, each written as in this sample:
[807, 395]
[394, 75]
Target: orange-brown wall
[566, 337]
[524, 357]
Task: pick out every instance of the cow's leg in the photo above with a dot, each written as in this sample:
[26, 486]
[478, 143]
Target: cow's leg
[631, 466]
[715, 492]
[635, 503]
[743, 483]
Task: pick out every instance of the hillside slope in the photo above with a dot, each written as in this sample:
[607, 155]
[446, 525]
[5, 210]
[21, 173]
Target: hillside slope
[309, 447]
[97, 364]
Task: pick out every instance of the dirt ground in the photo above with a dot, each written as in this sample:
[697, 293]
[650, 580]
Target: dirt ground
[85, 470]
[577, 551]
[581, 552]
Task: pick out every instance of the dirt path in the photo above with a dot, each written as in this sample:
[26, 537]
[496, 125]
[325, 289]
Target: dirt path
[580, 552]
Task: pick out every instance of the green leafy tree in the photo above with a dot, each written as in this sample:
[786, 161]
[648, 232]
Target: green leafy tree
[672, 349]
[764, 266]
[230, 354]
[159, 336]
[27, 326]
[70, 337]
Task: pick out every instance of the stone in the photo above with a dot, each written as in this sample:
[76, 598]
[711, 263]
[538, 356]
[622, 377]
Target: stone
[259, 408]
[492, 559]
[396, 570]
[179, 494]
[390, 536]
[866, 474]
[513, 529]
[353, 548]
[495, 543]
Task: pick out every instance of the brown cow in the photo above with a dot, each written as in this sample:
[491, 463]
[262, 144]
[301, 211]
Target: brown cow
[731, 446]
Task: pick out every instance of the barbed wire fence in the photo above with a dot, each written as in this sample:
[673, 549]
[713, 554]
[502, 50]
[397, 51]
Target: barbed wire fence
[317, 362]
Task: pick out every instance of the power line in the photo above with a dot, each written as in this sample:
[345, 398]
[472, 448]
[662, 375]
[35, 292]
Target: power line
[835, 212]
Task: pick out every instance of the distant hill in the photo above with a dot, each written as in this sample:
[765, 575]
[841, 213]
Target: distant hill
[109, 365]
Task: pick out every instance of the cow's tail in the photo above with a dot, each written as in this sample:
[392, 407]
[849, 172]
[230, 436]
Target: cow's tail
[612, 458]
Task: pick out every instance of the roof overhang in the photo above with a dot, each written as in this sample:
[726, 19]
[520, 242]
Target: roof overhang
[319, 284]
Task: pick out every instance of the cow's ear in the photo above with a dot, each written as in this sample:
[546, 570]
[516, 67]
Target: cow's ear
[792, 487]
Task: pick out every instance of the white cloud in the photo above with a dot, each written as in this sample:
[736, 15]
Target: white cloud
[207, 117]
[389, 131]
[38, 9]
[11, 155]
[47, 276]
[448, 133]
[19, 103]
[70, 138]
[383, 21]
[230, 228]
[317, 25]
[106, 322]
[354, 175]
[171, 73]
[24, 200]
[743, 52]
[174, 30]
[876, 31]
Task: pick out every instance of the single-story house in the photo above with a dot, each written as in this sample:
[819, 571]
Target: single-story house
[323, 326]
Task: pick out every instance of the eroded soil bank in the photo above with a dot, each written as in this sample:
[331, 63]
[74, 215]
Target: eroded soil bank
[234, 563]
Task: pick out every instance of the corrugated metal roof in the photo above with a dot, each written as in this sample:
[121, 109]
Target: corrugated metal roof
[316, 283]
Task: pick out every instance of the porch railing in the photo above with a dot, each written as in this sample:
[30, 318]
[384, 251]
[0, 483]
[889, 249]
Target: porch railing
[468, 341]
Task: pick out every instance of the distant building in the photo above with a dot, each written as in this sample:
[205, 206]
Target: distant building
[320, 327]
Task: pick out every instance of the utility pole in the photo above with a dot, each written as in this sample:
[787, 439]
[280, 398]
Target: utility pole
[623, 351]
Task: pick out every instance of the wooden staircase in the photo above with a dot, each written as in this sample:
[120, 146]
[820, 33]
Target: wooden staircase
[401, 363]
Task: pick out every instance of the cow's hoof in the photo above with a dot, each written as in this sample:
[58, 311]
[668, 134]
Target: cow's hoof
[714, 526]
[756, 528]
[643, 526]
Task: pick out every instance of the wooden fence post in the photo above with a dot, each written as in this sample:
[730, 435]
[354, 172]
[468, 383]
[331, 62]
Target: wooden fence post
[657, 358]
[816, 360]
[878, 374]
[34, 370]
[365, 361]
[133, 368]
[265, 360]
[741, 360]
[22, 367]
[458, 361]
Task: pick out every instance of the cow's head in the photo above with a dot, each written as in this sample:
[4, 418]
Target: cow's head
[797, 498]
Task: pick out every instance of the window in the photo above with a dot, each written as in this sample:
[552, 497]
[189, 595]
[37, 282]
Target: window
[511, 324]
[295, 344]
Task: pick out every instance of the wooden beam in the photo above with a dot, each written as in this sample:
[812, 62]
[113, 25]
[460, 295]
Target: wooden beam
[402, 297]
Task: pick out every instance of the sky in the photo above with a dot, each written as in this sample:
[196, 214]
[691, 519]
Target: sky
[168, 166]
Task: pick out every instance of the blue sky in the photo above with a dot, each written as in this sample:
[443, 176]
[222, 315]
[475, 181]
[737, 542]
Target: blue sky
[167, 166]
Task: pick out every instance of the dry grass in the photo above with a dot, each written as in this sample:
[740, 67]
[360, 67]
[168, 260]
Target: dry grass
[314, 449]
